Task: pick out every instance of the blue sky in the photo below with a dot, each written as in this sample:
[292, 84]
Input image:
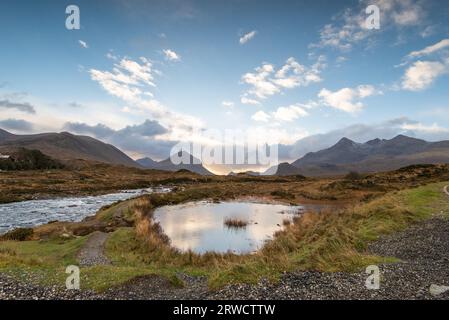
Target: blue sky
[304, 68]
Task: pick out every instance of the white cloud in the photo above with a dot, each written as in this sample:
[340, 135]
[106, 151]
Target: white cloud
[428, 31]
[247, 37]
[284, 114]
[267, 81]
[430, 49]
[260, 82]
[228, 104]
[401, 13]
[342, 37]
[111, 56]
[170, 55]
[110, 83]
[83, 44]
[132, 81]
[126, 79]
[246, 100]
[421, 74]
[290, 113]
[139, 72]
[349, 27]
[347, 99]
[366, 91]
[341, 59]
[261, 116]
[434, 128]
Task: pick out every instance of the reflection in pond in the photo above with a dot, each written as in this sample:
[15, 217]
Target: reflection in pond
[200, 226]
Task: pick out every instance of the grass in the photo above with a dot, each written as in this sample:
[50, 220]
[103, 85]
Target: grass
[45, 260]
[235, 223]
[332, 241]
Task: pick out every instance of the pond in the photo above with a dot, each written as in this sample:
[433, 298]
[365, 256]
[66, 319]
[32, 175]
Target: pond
[32, 213]
[201, 227]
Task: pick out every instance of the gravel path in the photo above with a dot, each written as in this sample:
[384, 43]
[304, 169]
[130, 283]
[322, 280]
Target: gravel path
[155, 287]
[92, 252]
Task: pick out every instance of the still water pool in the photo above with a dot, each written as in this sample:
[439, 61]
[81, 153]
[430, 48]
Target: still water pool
[200, 227]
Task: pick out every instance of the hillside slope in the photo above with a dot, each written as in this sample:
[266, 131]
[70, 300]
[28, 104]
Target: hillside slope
[66, 146]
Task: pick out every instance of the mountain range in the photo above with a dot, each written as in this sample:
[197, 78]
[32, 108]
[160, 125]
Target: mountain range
[372, 156]
[194, 165]
[67, 146]
[341, 158]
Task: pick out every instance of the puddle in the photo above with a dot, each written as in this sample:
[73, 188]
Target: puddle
[200, 226]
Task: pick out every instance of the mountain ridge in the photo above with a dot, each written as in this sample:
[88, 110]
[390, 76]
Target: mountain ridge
[66, 146]
[194, 164]
[373, 155]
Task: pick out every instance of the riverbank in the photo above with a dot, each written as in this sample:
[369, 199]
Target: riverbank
[89, 180]
[40, 212]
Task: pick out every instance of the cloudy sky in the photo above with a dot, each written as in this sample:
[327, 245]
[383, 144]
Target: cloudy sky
[146, 74]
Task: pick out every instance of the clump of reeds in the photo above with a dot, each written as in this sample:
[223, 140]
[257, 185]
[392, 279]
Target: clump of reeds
[235, 223]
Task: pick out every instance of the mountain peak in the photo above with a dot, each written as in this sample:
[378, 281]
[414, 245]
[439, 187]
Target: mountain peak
[147, 162]
[344, 142]
[401, 137]
[374, 142]
[404, 139]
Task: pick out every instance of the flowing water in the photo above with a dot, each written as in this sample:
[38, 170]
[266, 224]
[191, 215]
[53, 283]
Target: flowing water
[200, 227]
[36, 212]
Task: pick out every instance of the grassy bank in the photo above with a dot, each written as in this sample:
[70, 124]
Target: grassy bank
[334, 241]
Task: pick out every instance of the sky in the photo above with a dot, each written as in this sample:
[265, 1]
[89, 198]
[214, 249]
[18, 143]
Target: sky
[144, 75]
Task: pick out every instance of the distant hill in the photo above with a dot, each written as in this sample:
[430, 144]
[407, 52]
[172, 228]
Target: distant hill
[65, 146]
[283, 169]
[244, 173]
[147, 163]
[5, 135]
[374, 155]
[193, 165]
